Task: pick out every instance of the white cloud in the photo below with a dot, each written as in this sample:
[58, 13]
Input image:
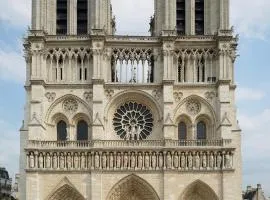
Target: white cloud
[12, 66]
[9, 147]
[249, 94]
[15, 12]
[133, 16]
[251, 18]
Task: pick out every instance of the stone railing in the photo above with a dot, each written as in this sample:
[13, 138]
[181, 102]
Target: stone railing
[33, 144]
[130, 160]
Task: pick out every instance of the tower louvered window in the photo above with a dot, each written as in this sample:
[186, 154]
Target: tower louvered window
[82, 12]
[61, 20]
[199, 17]
[181, 17]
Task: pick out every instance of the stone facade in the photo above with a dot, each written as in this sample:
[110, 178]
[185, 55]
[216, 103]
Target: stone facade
[111, 117]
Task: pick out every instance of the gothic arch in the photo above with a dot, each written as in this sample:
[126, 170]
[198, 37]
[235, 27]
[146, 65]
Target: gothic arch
[198, 190]
[83, 107]
[65, 190]
[206, 108]
[132, 188]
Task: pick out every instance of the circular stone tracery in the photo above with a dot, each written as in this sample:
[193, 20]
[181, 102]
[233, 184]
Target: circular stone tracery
[133, 121]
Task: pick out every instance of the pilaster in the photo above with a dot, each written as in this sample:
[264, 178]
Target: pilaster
[72, 17]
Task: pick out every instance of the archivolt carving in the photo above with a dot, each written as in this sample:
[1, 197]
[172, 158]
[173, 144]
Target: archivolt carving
[193, 106]
[70, 105]
[198, 190]
[132, 187]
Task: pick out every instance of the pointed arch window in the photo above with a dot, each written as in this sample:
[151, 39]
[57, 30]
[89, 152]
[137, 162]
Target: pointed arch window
[199, 17]
[182, 131]
[201, 131]
[82, 18]
[82, 130]
[61, 18]
[61, 131]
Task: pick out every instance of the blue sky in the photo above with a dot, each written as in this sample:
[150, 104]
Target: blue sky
[251, 20]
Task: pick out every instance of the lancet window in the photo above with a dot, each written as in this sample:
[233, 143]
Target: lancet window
[132, 66]
[199, 17]
[61, 18]
[181, 17]
[182, 131]
[61, 131]
[82, 130]
[201, 131]
[82, 12]
[195, 65]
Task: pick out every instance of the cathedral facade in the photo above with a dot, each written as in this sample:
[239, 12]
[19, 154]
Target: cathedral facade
[112, 117]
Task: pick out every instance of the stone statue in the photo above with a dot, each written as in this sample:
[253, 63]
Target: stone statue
[69, 161]
[104, 161]
[140, 160]
[125, 160]
[132, 161]
[89, 161]
[96, 160]
[62, 161]
[160, 160]
[169, 160]
[54, 161]
[204, 160]
[154, 160]
[146, 160]
[83, 161]
[31, 160]
[228, 163]
[197, 161]
[190, 160]
[111, 163]
[211, 161]
[175, 160]
[183, 161]
[76, 161]
[40, 161]
[118, 160]
[48, 161]
[219, 160]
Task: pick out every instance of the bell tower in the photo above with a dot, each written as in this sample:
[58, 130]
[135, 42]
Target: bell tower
[112, 117]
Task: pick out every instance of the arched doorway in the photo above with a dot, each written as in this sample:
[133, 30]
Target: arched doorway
[198, 190]
[132, 188]
[66, 192]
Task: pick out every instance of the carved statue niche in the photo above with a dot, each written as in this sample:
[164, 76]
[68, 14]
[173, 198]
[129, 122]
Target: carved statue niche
[197, 160]
[146, 160]
[118, 160]
[69, 161]
[160, 160]
[62, 161]
[228, 161]
[204, 160]
[104, 161]
[169, 160]
[31, 160]
[76, 161]
[125, 160]
[97, 164]
[140, 160]
[111, 161]
[89, 161]
[132, 160]
[175, 160]
[154, 160]
[183, 161]
[211, 160]
[48, 161]
[190, 160]
[55, 164]
[219, 160]
[82, 161]
[40, 161]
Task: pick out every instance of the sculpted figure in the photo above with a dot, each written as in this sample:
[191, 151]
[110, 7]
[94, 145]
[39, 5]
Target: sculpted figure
[89, 161]
[197, 161]
[146, 160]
[104, 160]
[154, 160]
[62, 161]
[160, 160]
[76, 161]
[169, 160]
[69, 161]
[190, 160]
[83, 161]
[31, 160]
[48, 161]
[40, 161]
[140, 160]
[118, 160]
[175, 160]
[132, 161]
[228, 161]
[111, 161]
[211, 161]
[54, 161]
[204, 160]
[125, 160]
[219, 160]
[183, 161]
[96, 160]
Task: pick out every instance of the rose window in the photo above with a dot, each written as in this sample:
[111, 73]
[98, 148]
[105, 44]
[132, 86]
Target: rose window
[133, 121]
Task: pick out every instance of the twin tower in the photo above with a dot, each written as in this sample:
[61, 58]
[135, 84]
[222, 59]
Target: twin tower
[112, 117]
